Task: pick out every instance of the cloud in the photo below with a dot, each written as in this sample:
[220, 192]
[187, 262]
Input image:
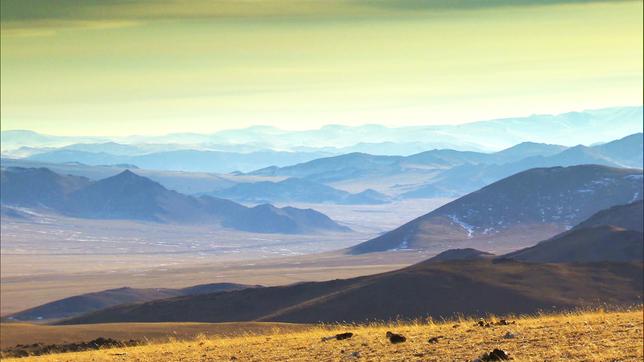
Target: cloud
[24, 17]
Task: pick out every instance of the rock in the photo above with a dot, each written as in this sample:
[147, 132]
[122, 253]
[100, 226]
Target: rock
[504, 322]
[509, 335]
[434, 339]
[395, 338]
[342, 336]
[338, 337]
[355, 354]
[495, 355]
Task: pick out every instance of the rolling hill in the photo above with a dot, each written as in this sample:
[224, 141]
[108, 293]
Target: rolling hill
[629, 216]
[614, 234]
[520, 206]
[132, 197]
[85, 303]
[436, 289]
[586, 245]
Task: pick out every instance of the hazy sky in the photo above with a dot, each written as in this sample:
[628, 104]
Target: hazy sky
[150, 67]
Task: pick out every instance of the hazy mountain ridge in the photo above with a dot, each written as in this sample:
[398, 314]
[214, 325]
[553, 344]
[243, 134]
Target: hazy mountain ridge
[297, 190]
[586, 127]
[133, 197]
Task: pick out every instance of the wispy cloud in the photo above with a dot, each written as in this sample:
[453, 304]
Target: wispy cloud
[45, 17]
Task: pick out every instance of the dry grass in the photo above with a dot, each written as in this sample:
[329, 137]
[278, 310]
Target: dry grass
[583, 336]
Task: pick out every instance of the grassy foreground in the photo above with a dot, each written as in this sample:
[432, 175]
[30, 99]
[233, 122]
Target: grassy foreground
[583, 336]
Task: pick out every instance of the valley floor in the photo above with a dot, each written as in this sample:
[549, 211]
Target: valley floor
[585, 336]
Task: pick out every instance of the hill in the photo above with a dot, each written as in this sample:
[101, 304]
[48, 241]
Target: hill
[630, 216]
[84, 303]
[580, 336]
[585, 245]
[461, 254]
[525, 206]
[614, 234]
[470, 287]
[133, 197]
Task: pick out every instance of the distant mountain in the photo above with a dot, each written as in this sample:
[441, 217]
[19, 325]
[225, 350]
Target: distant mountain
[586, 127]
[522, 206]
[464, 178]
[297, 190]
[130, 196]
[184, 182]
[85, 303]
[526, 149]
[329, 169]
[439, 290]
[182, 160]
[614, 235]
[133, 197]
[622, 150]
[37, 187]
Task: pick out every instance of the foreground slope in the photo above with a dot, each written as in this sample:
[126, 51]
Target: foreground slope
[437, 289]
[522, 209]
[585, 336]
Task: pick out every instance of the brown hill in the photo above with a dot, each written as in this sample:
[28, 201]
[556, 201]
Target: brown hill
[84, 303]
[602, 237]
[590, 244]
[473, 287]
[630, 216]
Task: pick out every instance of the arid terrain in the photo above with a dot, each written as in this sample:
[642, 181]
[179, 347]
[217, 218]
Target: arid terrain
[51, 257]
[583, 336]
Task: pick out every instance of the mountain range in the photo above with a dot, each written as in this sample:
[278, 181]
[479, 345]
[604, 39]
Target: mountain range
[132, 197]
[585, 127]
[439, 173]
[297, 190]
[354, 178]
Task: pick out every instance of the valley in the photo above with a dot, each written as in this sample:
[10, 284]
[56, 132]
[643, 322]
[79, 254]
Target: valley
[49, 256]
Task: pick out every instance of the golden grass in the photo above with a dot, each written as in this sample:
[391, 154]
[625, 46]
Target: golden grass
[582, 336]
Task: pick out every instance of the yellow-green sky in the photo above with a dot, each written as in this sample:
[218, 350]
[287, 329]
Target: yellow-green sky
[150, 67]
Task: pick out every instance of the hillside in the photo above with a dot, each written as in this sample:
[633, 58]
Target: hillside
[444, 289]
[570, 337]
[586, 245]
[614, 234]
[129, 196]
[522, 209]
[630, 216]
[85, 303]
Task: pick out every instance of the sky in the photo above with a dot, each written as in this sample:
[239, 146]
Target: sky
[120, 67]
